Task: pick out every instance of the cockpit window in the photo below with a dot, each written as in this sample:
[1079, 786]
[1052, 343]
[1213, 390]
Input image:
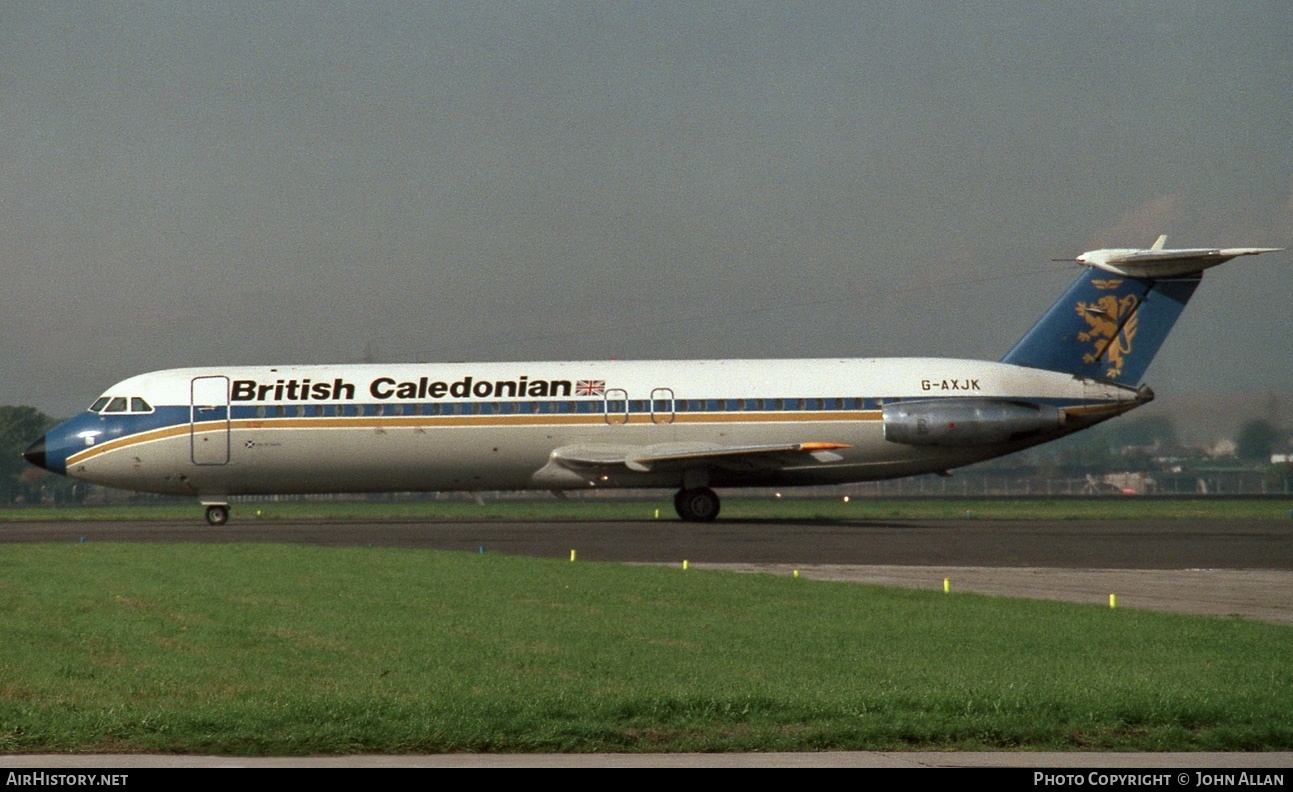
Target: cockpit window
[120, 404]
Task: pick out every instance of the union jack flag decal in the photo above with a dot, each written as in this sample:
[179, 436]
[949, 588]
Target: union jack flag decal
[590, 388]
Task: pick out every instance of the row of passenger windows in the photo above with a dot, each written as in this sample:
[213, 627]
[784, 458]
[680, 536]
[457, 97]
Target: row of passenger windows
[135, 404]
[611, 406]
[120, 404]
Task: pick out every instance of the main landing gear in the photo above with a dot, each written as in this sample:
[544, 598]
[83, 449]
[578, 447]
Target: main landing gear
[699, 504]
[217, 514]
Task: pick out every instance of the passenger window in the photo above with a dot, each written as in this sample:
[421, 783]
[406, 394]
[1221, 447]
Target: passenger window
[117, 405]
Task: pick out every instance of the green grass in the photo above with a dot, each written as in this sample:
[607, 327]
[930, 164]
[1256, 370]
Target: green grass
[266, 649]
[734, 508]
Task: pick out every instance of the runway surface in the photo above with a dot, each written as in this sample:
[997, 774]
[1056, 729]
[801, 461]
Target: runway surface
[1223, 568]
[1082, 544]
[1216, 567]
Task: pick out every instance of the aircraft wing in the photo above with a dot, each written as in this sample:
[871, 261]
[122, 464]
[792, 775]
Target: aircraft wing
[675, 457]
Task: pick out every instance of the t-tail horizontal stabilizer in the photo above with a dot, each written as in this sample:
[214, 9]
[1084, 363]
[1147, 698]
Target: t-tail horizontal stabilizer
[1162, 262]
[1115, 316]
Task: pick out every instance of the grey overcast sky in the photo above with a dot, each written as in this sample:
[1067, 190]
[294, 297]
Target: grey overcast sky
[188, 183]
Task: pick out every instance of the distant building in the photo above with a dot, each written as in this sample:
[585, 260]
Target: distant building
[1129, 483]
[1223, 448]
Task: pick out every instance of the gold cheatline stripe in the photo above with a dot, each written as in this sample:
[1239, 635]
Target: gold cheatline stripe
[495, 420]
[425, 422]
[1096, 408]
[130, 440]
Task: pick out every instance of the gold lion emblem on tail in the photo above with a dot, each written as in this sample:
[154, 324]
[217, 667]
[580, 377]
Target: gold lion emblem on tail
[1112, 327]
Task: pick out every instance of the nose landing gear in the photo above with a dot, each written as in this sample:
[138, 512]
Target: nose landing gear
[217, 514]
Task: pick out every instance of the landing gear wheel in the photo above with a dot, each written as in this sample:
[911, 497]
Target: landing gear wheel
[696, 505]
[217, 514]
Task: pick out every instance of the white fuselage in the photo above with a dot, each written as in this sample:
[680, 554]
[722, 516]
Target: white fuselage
[218, 432]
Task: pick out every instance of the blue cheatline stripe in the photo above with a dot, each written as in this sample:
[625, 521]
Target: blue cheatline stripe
[125, 430]
[589, 407]
[128, 423]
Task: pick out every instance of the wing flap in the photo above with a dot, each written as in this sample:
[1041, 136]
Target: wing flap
[676, 457]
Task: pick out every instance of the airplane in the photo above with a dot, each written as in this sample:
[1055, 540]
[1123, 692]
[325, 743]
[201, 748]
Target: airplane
[688, 425]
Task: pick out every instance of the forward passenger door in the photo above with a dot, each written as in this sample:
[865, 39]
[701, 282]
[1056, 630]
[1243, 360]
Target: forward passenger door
[209, 420]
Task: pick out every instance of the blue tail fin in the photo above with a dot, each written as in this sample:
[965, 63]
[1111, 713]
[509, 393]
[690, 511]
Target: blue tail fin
[1106, 326]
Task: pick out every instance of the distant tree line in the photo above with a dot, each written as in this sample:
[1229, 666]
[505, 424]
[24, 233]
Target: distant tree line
[1143, 444]
[1257, 440]
[20, 482]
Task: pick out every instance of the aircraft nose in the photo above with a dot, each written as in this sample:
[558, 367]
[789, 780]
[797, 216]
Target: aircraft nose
[35, 453]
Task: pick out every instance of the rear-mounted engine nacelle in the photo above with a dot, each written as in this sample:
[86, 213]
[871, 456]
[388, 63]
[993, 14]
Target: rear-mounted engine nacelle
[966, 422]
